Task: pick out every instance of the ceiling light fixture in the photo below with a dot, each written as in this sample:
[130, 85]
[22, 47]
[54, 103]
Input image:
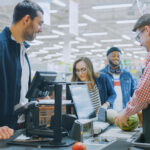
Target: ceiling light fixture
[53, 11]
[47, 37]
[86, 46]
[80, 39]
[97, 44]
[57, 32]
[112, 6]
[85, 16]
[111, 40]
[95, 34]
[126, 37]
[125, 21]
[59, 3]
[129, 54]
[67, 25]
[98, 50]
[137, 43]
[140, 52]
[133, 49]
[74, 42]
[123, 45]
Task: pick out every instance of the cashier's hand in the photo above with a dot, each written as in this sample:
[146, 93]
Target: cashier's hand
[121, 119]
[6, 132]
[140, 119]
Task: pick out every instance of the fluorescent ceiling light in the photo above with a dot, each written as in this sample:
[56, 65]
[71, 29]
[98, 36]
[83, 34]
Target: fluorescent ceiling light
[61, 43]
[133, 49]
[129, 54]
[137, 43]
[74, 42]
[36, 42]
[86, 46]
[126, 37]
[88, 53]
[67, 25]
[89, 18]
[72, 56]
[123, 45]
[80, 39]
[59, 46]
[140, 52]
[97, 44]
[59, 3]
[135, 56]
[142, 58]
[95, 34]
[99, 55]
[47, 36]
[111, 40]
[51, 48]
[74, 50]
[47, 57]
[98, 50]
[57, 32]
[112, 6]
[53, 11]
[82, 24]
[125, 21]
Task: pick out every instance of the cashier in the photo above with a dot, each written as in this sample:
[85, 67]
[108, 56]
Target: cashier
[141, 98]
[6, 132]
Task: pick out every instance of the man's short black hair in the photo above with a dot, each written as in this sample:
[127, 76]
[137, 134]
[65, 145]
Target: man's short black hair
[26, 7]
[112, 49]
[142, 21]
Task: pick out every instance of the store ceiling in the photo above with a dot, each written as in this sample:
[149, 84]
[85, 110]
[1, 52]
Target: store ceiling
[105, 21]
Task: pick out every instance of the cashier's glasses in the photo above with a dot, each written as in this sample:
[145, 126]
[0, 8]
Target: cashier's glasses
[139, 34]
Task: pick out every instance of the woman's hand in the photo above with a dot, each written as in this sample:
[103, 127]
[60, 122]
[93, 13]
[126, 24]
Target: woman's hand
[105, 105]
[6, 132]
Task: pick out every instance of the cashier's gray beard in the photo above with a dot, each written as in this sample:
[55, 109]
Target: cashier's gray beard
[113, 65]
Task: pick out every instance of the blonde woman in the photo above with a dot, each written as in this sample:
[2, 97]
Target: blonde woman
[101, 92]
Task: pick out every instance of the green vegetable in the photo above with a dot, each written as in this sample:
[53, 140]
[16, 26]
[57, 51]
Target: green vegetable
[133, 122]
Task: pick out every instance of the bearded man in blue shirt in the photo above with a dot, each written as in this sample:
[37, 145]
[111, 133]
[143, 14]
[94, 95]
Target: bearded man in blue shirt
[121, 80]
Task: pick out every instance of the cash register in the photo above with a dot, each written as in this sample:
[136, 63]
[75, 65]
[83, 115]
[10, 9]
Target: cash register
[40, 122]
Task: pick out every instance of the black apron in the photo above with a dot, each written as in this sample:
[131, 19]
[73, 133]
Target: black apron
[146, 124]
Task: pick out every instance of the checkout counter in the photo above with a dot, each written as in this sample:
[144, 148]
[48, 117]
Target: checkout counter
[59, 133]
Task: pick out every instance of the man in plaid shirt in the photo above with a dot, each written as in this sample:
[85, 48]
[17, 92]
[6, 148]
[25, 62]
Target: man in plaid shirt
[141, 98]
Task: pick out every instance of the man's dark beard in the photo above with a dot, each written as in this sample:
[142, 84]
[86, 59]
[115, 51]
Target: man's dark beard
[113, 65]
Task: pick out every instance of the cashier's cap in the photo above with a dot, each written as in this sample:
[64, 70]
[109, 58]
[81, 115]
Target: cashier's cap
[112, 49]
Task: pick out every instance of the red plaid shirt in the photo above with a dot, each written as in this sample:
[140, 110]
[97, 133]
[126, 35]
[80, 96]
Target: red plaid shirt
[141, 97]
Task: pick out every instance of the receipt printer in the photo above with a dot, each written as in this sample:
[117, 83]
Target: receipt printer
[82, 128]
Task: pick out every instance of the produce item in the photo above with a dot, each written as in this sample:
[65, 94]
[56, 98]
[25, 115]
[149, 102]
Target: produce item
[111, 114]
[78, 146]
[133, 122]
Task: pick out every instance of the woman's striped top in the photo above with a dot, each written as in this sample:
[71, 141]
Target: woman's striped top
[95, 97]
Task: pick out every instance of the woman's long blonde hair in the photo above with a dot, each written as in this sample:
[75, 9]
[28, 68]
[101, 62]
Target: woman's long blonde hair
[91, 74]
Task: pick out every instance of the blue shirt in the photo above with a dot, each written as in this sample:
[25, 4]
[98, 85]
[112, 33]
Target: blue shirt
[106, 91]
[127, 82]
[10, 76]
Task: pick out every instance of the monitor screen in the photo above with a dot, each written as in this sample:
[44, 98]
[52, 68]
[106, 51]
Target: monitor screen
[40, 86]
[82, 101]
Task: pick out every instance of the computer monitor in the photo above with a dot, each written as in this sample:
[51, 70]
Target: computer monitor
[82, 101]
[40, 86]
